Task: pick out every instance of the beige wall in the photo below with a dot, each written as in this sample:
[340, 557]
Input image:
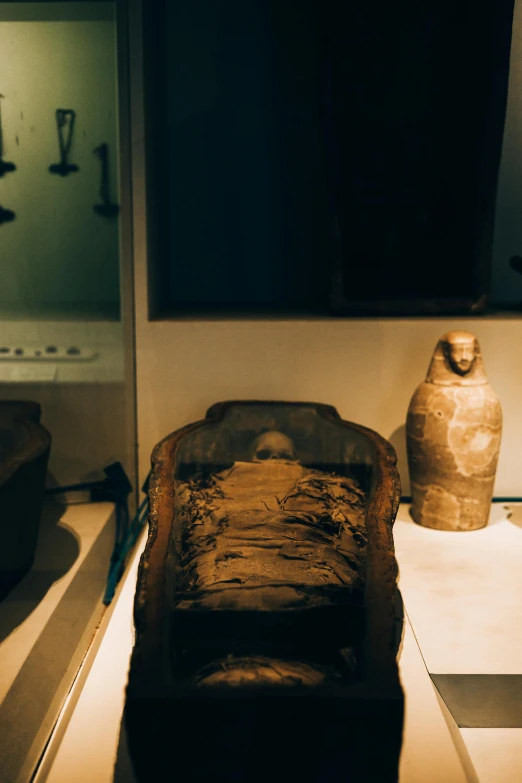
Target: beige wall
[368, 369]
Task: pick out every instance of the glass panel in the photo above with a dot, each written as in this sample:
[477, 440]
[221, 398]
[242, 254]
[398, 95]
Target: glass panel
[312, 440]
[66, 410]
[59, 126]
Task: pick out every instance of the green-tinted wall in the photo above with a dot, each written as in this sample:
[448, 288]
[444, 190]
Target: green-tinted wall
[58, 257]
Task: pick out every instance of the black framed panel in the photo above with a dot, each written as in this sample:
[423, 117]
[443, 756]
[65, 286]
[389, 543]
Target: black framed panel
[323, 157]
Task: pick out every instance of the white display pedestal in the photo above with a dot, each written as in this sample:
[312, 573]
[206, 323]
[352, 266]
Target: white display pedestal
[463, 597]
[47, 623]
[458, 615]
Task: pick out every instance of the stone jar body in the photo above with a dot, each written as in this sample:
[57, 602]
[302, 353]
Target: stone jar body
[453, 439]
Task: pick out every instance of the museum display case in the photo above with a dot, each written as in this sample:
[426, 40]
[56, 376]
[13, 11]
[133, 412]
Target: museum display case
[167, 190]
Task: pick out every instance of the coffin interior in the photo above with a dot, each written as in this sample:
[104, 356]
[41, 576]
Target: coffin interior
[251, 733]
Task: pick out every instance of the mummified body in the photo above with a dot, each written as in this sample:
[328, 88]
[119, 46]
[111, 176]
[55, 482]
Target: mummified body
[269, 537]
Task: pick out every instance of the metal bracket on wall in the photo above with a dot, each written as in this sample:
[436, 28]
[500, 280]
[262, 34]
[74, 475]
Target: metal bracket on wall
[5, 166]
[64, 120]
[6, 215]
[106, 208]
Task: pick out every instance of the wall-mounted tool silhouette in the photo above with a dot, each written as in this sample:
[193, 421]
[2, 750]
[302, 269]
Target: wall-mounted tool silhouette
[65, 126]
[106, 208]
[6, 215]
[5, 166]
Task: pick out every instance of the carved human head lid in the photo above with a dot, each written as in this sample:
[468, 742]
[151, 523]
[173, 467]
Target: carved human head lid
[457, 360]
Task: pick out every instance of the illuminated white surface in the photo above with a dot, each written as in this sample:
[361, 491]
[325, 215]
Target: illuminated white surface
[85, 522]
[434, 749]
[496, 754]
[428, 754]
[87, 753]
[463, 593]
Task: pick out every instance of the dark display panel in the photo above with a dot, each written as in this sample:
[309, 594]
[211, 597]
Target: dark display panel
[324, 157]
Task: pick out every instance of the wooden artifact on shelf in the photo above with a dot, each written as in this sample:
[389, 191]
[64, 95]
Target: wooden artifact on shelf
[24, 453]
[453, 433]
[266, 606]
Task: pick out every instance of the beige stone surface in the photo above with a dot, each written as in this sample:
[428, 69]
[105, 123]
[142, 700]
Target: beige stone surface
[453, 431]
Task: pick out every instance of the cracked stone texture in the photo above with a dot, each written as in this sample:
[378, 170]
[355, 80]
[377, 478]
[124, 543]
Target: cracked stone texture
[453, 435]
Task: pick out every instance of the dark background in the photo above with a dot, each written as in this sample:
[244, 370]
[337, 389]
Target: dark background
[311, 155]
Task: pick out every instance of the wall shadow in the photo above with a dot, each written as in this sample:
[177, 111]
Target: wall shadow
[513, 514]
[123, 772]
[398, 441]
[56, 551]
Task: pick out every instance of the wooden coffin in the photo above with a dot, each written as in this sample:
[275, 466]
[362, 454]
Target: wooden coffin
[266, 605]
[24, 453]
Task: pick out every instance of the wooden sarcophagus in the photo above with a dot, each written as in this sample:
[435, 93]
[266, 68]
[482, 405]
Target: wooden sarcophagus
[24, 453]
[265, 611]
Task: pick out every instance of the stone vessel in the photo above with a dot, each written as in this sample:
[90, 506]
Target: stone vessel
[453, 431]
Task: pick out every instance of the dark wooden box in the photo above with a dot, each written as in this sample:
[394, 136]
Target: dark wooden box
[24, 453]
[350, 731]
